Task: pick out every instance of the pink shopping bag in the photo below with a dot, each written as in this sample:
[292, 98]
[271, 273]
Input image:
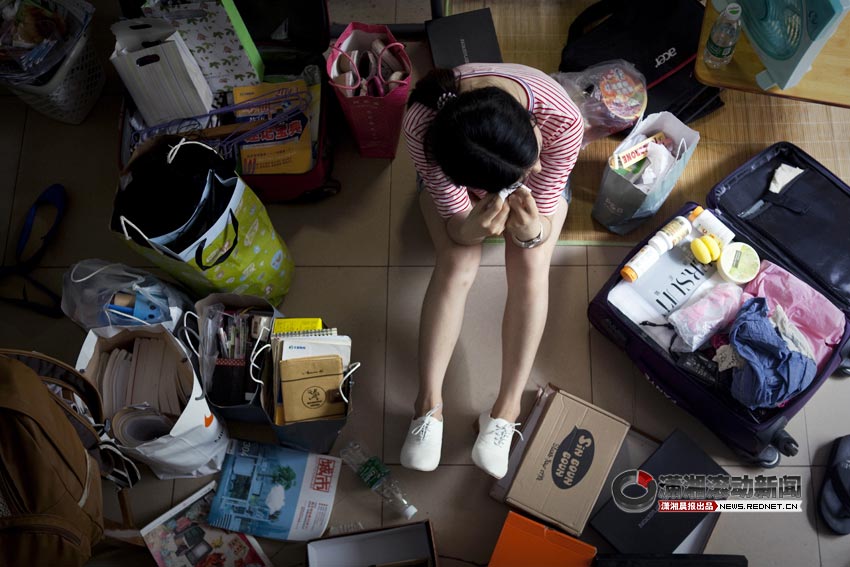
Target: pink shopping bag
[374, 116]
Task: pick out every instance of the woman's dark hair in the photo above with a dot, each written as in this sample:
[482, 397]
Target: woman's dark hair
[483, 138]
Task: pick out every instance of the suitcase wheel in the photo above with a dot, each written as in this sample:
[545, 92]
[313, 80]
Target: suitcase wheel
[786, 444]
[768, 458]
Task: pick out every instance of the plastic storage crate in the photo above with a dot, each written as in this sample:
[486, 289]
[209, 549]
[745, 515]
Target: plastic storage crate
[73, 90]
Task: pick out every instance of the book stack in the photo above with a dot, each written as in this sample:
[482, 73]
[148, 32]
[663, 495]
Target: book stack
[309, 368]
[143, 392]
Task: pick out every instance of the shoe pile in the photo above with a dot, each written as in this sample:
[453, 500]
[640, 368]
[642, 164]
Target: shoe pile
[370, 72]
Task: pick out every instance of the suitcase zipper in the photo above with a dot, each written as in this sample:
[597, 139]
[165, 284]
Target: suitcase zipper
[8, 492]
[48, 529]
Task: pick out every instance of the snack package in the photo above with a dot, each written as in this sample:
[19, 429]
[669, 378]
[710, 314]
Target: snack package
[610, 95]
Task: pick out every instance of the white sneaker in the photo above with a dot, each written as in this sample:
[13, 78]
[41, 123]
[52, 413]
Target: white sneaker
[424, 442]
[493, 445]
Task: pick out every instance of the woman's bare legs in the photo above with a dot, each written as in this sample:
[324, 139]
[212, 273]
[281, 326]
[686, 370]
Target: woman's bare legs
[526, 309]
[442, 308]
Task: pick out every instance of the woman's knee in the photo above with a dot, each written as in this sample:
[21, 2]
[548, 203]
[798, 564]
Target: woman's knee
[459, 266]
[528, 268]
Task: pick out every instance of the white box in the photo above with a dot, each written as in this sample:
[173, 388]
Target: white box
[159, 71]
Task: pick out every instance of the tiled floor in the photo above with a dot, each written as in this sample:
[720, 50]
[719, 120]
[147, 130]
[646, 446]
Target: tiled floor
[364, 260]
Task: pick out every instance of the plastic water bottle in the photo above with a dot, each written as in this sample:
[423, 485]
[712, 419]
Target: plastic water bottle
[377, 476]
[724, 35]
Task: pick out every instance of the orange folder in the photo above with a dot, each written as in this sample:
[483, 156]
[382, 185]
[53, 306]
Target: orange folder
[526, 542]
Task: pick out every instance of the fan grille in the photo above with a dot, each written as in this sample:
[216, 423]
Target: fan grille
[776, 26]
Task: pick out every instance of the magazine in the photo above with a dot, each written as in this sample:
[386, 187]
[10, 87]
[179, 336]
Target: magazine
[181, 538]
[669, 283]
[270, 491]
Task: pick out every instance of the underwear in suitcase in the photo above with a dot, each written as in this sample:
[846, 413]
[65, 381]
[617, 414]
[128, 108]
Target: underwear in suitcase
[802, 229]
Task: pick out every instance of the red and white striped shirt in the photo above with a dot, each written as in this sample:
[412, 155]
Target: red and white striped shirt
[560, 124]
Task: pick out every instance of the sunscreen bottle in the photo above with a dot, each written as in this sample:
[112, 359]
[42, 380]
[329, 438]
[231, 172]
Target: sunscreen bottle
[670, 235]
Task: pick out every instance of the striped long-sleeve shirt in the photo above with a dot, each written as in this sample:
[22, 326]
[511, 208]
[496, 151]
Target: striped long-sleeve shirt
[560, 124]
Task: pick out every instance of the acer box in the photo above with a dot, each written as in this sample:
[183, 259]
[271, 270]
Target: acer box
[565, 464]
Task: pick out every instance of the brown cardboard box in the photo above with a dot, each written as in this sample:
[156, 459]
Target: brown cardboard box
[565, 464]
[310, 388]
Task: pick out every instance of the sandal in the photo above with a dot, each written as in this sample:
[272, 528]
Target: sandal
[54, 196]
[835, 492]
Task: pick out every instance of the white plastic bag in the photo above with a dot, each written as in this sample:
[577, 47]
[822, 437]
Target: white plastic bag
[89, 292]
[698, 321]
[197, 442]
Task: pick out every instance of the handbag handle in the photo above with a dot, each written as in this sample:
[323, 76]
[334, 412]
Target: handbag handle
[199, 251]
[125, 222]
[381, 59]
[353, 67]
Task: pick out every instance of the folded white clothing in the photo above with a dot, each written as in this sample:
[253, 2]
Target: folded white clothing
[782, 176]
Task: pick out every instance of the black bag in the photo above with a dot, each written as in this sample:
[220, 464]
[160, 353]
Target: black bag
[661, 39]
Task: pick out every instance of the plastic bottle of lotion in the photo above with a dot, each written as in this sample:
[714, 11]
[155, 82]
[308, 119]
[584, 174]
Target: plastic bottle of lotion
[665, 239]
[706, 223]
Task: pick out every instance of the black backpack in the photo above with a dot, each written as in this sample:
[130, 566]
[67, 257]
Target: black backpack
[659, 37]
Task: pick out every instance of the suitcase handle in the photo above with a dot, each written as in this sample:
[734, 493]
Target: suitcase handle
[844, 365]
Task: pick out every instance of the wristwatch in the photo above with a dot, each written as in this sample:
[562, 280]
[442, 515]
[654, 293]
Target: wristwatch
[529, 243]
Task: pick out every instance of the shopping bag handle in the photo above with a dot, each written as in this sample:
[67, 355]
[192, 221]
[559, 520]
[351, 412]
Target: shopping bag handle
[381, 60]
[679, 152]
[125, 222]
[199, 251]
[354, 68]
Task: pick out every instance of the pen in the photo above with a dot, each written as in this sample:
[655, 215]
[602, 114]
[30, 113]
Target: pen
[222, 338]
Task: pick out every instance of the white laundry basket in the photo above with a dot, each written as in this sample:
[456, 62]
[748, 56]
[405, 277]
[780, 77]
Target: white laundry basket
[73, 90]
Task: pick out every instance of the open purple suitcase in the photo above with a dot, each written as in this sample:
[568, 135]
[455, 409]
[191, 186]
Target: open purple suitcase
[805, 230]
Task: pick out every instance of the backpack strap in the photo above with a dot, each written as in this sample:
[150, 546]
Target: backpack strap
[591, 17]
[80, 402]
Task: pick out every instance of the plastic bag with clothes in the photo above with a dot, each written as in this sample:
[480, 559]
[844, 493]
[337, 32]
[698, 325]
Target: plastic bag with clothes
[698, 321]
[107, 296]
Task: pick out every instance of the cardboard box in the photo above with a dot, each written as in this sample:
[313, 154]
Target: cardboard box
[310, 388]
[567, 462]
[408, 544]
[526, 542]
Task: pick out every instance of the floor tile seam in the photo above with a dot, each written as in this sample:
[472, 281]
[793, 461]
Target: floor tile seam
[18, 167]
[813, 499]
[386, 367]
[589, 339]
[808, 439]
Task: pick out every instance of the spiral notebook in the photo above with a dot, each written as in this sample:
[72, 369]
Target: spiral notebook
[302, 344]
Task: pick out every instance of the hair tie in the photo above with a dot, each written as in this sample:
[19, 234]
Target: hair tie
[444, 98]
